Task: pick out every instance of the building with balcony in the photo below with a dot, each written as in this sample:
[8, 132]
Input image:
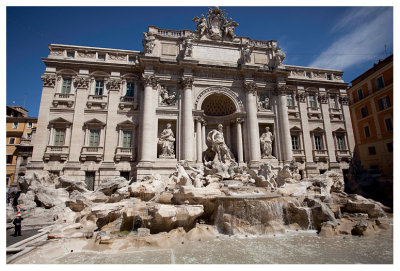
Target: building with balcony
[103, 111]
[19, 133]
[371, 107]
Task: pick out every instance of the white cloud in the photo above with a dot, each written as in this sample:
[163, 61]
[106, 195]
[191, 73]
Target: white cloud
[356, 16]
[363, 42]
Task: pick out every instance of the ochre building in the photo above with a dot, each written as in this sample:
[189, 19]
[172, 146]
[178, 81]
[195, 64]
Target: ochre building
[110, 112]
[19, 132]
[371, 107]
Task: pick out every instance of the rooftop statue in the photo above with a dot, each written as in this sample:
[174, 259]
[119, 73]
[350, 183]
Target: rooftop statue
[216, 26]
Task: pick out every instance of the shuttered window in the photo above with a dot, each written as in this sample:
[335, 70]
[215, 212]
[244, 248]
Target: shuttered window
[127, 139]
[94, 138]
[66, 86]
[59, 136]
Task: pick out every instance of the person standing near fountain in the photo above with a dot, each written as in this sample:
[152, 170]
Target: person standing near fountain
[266, 143]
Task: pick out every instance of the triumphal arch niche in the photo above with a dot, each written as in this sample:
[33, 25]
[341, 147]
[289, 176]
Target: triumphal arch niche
[193, 95]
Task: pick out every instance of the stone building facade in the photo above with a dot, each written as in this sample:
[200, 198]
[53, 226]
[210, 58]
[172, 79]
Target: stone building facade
[371, 108]
[104, 112]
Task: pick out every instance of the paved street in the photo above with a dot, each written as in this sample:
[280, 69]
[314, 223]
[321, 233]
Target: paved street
[25, 234]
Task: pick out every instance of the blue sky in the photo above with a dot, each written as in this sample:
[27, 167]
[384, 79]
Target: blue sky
[346, 38]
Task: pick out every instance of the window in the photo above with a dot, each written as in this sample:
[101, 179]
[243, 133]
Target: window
[101, 57]
[99, 87]
[389, 146]
[366, 131]
[29, 135]
[127, 139]
[29, 125]
[15, 125]
[318, 142]
[59, 136]
[66, 86]
[9, 159]
[371, 150]
[384, 103]
[289, 99]
[360, 94]
[70, 54]
[364, 111]
[11, 140]
[312, 102]
[341, 145]
[379, 83]
[389, 124]
[295, 142]
[130, 88]
[94, 138]
[308, 74]
[132, 59]
[329, 76]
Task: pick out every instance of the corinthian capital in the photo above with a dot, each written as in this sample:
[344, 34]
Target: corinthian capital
[187, 82]
[150, 80]
[114, 84]
[48, 80]
[250, 87]
[81, 82]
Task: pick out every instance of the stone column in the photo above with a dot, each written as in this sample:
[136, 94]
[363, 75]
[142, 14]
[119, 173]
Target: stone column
[228, 135]
[148, 120]
[310, 167]
[199, 143]
[42, 133]
[330, 141]
[344, 100]
[203, 134]
[82, 84]
[239, 139]
[252, 122]
[285, 129]
[187, 120]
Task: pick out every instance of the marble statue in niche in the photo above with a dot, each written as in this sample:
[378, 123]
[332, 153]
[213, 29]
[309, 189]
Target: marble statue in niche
[266, 143]
[216, 137]
[166, 141]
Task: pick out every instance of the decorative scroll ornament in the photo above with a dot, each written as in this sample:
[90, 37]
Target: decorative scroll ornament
[114, 84]
[301, 97]
[323, 98]
[148, 42]
[187, 82]
[250, 87]
[216, 26]
[344, 100]
[246, 51]
[81, 82]
[48, 80]
[167, 97]
[150, 80]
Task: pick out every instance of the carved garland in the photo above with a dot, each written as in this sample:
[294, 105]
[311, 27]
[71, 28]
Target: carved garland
[301, 97]
[221, 90]
[323, 98]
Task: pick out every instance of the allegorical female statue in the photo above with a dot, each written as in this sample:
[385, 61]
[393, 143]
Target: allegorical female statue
[266, 143]
[166, 141]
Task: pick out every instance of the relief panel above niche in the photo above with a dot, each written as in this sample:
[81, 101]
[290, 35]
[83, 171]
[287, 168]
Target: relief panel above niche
[260, 58]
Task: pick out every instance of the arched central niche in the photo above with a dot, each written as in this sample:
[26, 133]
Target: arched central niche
[218, 104]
